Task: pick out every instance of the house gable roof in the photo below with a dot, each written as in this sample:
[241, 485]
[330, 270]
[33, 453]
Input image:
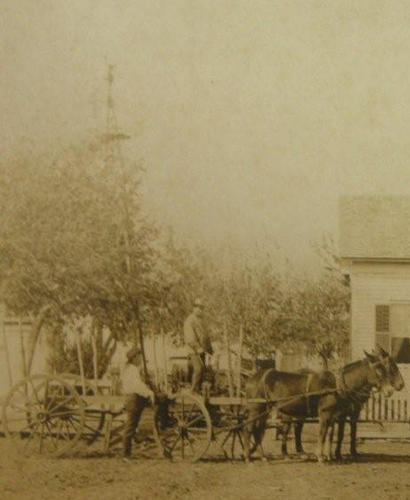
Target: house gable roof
[375, 227]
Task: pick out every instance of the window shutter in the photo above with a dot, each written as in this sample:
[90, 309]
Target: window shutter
[382, 318]
[382, 336]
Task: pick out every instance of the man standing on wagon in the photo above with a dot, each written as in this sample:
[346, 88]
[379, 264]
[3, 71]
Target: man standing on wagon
[138, 396]
[198, 343]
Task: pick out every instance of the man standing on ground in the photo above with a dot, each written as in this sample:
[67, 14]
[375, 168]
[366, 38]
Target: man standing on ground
[198, 343]
[139, 395]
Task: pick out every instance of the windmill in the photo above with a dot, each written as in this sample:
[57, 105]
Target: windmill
[114, 161]
[113, 136]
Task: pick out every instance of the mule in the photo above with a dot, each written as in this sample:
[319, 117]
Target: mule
[350, 402]
[354, 391]
[341, 396]
[297, 421]
[286, 392]
[283, 433]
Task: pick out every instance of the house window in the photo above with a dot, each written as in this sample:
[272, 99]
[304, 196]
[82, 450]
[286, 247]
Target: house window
[393, 330]
[400, 349]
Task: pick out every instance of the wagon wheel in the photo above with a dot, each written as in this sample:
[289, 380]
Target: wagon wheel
[229, 436]
[94, 419]
[183, 429]
[43, 414]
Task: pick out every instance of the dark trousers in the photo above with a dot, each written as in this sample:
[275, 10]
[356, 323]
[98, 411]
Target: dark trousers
[197, 366]
[134, 406]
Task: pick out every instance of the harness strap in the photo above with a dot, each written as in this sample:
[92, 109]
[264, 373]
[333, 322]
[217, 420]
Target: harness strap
[340, 381]
[354, 396]
[308, 387]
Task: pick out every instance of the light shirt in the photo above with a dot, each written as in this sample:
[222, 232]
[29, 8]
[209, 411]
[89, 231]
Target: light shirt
[132, 382]
[195, 337]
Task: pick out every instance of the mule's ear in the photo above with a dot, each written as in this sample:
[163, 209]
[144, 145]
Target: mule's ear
[381, 351]
[370, 357]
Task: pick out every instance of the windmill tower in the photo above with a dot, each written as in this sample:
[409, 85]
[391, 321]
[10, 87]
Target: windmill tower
[114, 162]
[113, 137]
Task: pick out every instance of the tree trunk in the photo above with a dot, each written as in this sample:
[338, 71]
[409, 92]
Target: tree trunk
[22, 350]
[80, 358]
[239, 366]
[154, 349]
[95, 350]
[141, 339]
[164, 354]
[228, 351]
[325, 360]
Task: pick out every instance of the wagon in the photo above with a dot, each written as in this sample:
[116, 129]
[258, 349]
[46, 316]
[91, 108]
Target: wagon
[53, 415]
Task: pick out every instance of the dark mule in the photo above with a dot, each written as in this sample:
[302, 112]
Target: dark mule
[297, 421]
[344, 397]
[286, 423]
[278, 388]
[356, 382]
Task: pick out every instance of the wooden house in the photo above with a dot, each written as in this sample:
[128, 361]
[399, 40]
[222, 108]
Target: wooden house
[375, 253]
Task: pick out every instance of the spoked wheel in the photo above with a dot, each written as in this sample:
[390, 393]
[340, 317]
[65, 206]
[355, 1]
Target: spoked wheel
[183, 428]
[229, 435]
[94, 419]
[43, 414]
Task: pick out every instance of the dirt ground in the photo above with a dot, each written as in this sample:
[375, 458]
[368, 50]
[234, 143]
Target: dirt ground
[382, 472]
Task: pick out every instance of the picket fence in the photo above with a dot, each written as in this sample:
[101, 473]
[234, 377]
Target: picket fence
[389, 410]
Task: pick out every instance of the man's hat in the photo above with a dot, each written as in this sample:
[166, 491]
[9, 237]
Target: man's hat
[198, 303]
[134, 351]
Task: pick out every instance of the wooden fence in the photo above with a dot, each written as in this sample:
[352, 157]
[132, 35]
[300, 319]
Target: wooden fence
[391, 410]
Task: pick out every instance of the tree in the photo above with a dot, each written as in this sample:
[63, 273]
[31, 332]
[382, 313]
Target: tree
[241, 297]
[315, 312]
[73, 242]
[322, 317]
[182, 276]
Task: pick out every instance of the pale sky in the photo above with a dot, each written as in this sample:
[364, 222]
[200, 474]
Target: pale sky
[250, 117]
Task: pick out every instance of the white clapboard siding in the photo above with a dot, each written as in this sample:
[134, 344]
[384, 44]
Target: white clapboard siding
[373, 285]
